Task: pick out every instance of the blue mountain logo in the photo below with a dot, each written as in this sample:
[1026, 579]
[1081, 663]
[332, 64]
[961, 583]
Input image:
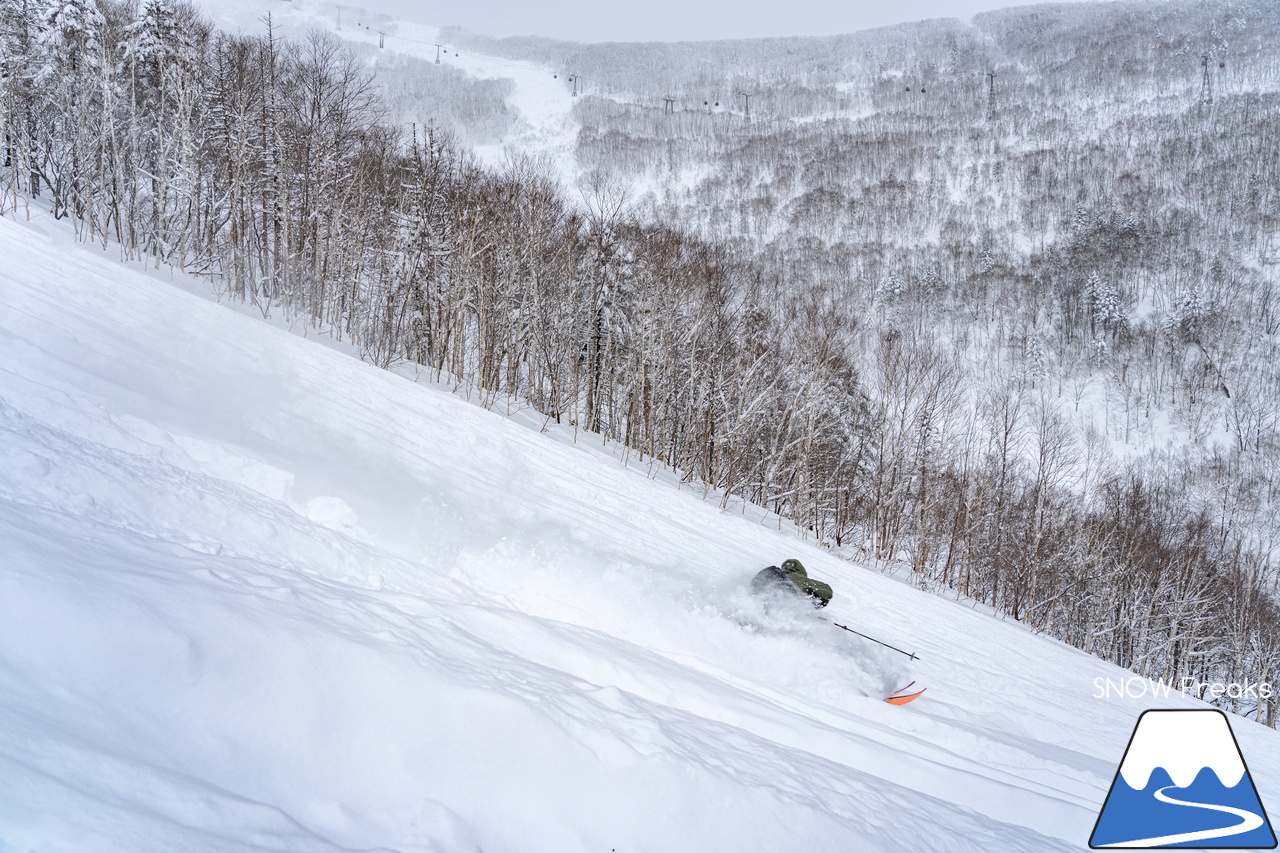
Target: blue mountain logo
[1183, 783]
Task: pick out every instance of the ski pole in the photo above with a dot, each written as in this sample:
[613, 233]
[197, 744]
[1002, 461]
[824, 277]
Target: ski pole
[911, 655]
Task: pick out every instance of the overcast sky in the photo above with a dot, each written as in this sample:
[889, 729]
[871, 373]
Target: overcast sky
[674, 20]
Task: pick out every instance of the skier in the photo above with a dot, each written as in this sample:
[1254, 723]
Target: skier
[791, 579]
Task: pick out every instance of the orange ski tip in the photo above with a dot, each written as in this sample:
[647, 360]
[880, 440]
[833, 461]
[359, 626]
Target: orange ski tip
[902, 700]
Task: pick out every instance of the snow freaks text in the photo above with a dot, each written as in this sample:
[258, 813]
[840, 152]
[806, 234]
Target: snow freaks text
[1137, 687]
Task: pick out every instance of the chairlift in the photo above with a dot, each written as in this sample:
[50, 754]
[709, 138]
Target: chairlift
[1222, 65]
[922, 91]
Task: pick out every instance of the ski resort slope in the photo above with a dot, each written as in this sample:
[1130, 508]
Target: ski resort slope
[258, 595]
[542, 98]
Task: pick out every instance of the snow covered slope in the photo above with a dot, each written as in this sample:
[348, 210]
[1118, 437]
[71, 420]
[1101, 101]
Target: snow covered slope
[258, 595]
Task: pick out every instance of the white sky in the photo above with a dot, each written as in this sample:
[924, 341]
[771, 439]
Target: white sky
[674, 20]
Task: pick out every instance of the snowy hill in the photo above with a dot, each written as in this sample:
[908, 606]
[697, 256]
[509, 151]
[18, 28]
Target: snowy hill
[258, 595]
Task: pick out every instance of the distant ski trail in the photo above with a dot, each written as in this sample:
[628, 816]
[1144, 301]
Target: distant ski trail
[1250, 821]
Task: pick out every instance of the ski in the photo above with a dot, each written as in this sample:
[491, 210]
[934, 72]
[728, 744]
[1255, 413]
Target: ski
[901, 697]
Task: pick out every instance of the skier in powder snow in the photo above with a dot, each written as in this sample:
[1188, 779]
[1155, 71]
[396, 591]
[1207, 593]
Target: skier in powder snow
[791, 578]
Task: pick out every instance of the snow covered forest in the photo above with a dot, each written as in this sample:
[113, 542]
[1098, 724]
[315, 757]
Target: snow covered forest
[998, 301]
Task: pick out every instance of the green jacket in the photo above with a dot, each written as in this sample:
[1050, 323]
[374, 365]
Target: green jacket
[792, 577]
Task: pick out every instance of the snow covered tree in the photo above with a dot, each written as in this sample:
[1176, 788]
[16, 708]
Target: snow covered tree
[71, 59]
[411, 318]
[1106, 313]
[163, 56]
[158, 50]
[19, 24]
[70, 41]
[606, 279]
[1037, 358]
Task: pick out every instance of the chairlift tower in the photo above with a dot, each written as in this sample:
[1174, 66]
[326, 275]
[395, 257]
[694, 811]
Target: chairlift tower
[1206, 84]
